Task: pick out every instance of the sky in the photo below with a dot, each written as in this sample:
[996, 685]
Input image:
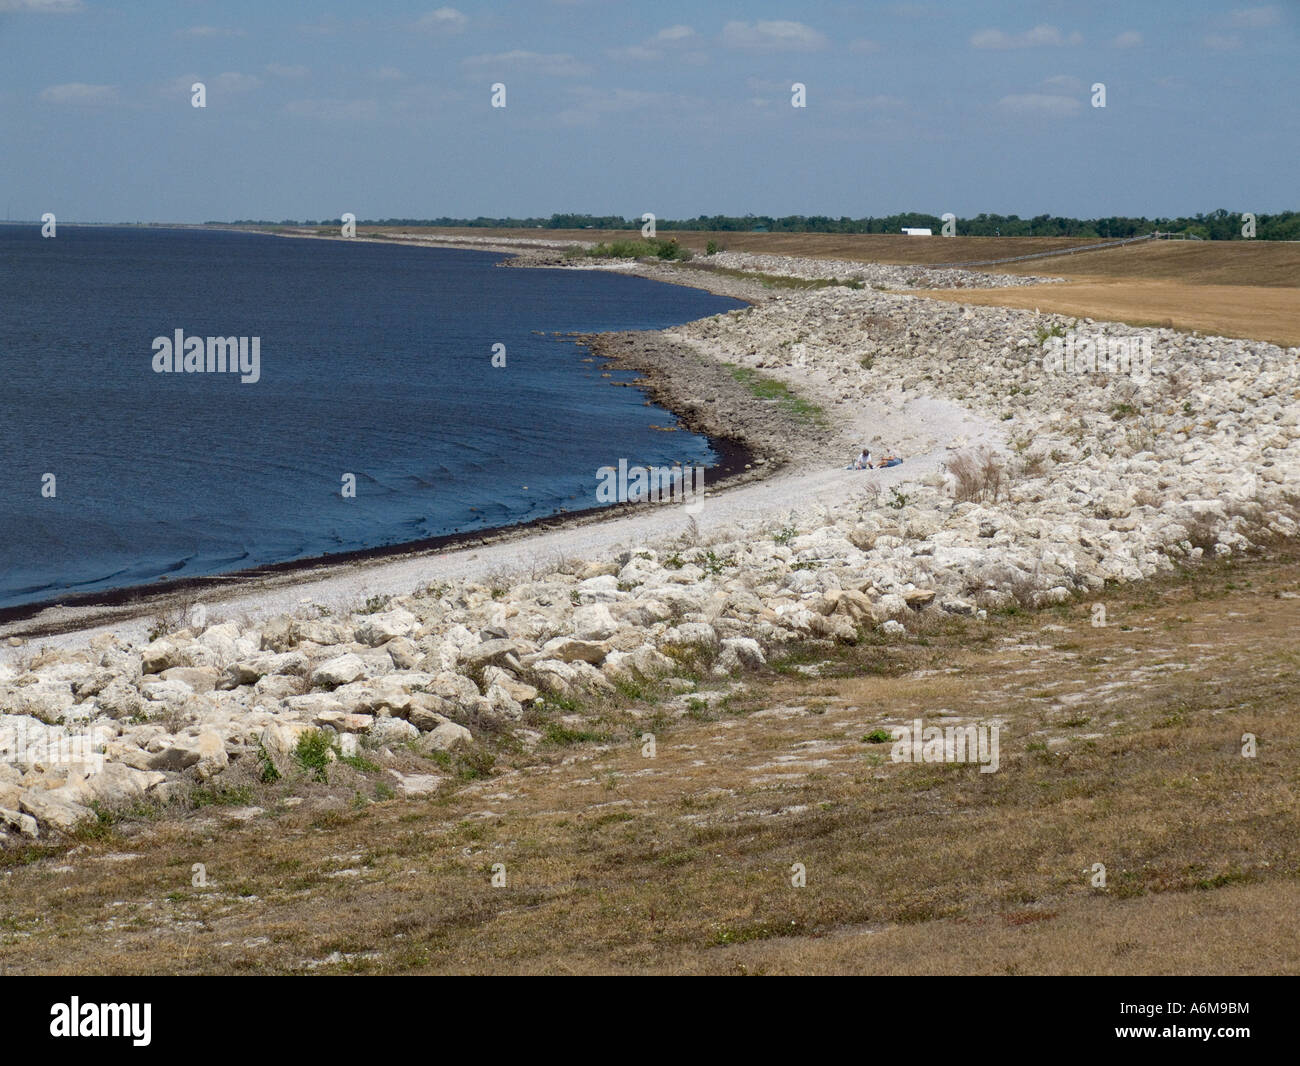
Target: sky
[676, 107]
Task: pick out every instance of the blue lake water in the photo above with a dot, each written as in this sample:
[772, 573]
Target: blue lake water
[375, 360]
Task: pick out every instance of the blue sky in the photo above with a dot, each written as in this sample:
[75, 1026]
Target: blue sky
[680, 108]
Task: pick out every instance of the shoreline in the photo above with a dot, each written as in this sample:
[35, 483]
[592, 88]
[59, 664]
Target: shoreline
[692, 370]
[648, 353]
[87, 610]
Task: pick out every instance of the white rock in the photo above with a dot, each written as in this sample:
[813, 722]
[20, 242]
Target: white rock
[212, 755]
[740, 653]
[377, 629]
[447, 737]
[416, 784]
[593, 622]
[392, 731]
[341, 670]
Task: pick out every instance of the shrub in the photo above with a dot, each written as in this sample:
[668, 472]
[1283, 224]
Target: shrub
[474, 762]
[313, 752]
[1057, 330]
[165, 623]
[657, 247]
[979, 475]
[267, 772]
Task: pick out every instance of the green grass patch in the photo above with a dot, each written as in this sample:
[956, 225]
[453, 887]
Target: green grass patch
[773, 391]
[232, 796]
[558, 734]
[360, 763]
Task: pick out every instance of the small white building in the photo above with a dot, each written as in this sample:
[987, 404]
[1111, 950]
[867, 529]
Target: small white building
[914, 231]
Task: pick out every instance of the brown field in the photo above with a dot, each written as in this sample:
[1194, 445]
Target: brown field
[1122, 747]
[1261, 313]
[1226, 288]
[1229, 288]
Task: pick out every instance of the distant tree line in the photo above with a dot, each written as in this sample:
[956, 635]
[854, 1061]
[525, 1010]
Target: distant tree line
[1217, 225]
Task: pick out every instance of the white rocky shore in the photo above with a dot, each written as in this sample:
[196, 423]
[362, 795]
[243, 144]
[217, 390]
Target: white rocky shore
[880, 275]
[1098, 478]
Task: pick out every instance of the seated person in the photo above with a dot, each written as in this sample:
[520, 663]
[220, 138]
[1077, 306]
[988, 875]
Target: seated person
[863, 461]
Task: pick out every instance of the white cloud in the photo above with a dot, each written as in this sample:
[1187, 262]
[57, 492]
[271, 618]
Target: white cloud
[1221, 42]
[1040, 104]
[388, 74]
[673, 34]
[556, 65]
[443, 20]
[1128, 39]
[283, 70]
[76, 92]
[1038, 37]
[652, 50]
[1256, 18]
[863, 46]
[210, 31]
[43, 7]
[590, 103]
[775, 36]
[228, 84]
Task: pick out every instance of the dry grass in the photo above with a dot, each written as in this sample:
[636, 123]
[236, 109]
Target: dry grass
[1265, 312]
[1266, 264]
[1122, 746]
[978, 475]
